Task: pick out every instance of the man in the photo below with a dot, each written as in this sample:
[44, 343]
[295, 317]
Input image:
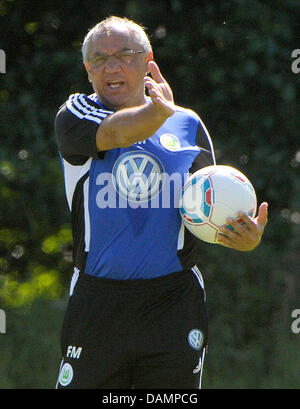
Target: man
[136, 315]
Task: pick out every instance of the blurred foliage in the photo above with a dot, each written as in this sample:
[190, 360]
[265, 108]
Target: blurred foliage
[230, 62]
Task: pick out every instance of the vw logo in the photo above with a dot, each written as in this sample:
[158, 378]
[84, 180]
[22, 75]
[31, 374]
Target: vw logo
[196, 338]
[138, 176]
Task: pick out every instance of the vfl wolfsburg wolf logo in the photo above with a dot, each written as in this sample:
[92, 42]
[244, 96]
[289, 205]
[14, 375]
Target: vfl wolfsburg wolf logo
[138, 176]
[66, 375]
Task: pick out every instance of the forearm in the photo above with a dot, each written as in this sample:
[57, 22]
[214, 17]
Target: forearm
[128, 126]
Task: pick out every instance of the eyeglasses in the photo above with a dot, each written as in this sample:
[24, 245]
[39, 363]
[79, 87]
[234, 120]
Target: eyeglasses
[123, 57]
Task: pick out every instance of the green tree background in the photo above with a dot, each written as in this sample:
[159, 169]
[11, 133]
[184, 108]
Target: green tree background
[230, 61]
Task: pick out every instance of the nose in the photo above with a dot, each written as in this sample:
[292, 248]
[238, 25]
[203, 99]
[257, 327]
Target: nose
[112, 64]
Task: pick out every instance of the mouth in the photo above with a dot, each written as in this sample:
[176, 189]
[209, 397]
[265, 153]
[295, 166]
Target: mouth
[114, 84]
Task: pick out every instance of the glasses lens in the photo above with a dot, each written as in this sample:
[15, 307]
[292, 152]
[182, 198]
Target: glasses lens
[125, 57]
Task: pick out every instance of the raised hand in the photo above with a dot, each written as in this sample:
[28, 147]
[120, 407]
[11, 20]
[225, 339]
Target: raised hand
[159, 90]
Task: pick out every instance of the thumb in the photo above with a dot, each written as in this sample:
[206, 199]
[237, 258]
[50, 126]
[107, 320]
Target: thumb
[155, 72]
[262, 218]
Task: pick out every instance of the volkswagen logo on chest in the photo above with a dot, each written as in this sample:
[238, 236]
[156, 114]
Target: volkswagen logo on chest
[195, 339]
[138, 176]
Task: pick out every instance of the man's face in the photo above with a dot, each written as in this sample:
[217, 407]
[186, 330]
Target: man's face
[118, 82]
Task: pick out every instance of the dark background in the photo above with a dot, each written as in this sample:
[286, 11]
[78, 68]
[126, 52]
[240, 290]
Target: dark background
[231, 62]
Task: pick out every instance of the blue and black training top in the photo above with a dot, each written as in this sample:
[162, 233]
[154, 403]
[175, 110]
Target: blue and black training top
[124, 202]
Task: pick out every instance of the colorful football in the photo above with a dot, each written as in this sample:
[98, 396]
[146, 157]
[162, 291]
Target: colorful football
[212, 194]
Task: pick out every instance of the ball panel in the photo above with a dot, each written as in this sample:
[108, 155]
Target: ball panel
[207, 232]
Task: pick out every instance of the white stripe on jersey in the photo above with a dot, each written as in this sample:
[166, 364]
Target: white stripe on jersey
[72, 175]
[93, 97]
[201, 370]
[87, 230]
[209, 141]
[74, 280]
[61, 364]
[75, 111]
[180, 240]
[198, 274]
[84, 100]
[79, 106]
[178, 108]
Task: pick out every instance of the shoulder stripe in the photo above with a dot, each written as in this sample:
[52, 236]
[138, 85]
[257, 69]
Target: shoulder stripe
[84, 99]
[79, 106]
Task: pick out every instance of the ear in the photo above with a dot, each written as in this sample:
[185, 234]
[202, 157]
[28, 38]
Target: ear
[88, 70]
[149, 56]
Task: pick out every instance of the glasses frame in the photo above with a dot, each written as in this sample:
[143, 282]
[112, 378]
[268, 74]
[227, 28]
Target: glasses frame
[105, 57]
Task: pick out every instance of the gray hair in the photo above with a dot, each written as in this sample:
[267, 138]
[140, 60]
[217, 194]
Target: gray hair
[113, 21]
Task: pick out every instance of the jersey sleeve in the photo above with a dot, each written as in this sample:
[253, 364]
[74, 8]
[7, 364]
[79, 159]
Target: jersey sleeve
[76, 125]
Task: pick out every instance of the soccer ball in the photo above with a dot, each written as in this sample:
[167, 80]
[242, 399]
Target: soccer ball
[212, 194]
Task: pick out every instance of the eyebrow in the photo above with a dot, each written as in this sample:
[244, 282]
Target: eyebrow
[97, 53]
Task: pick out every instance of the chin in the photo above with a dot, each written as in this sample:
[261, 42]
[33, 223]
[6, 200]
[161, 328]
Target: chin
[113, 103]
